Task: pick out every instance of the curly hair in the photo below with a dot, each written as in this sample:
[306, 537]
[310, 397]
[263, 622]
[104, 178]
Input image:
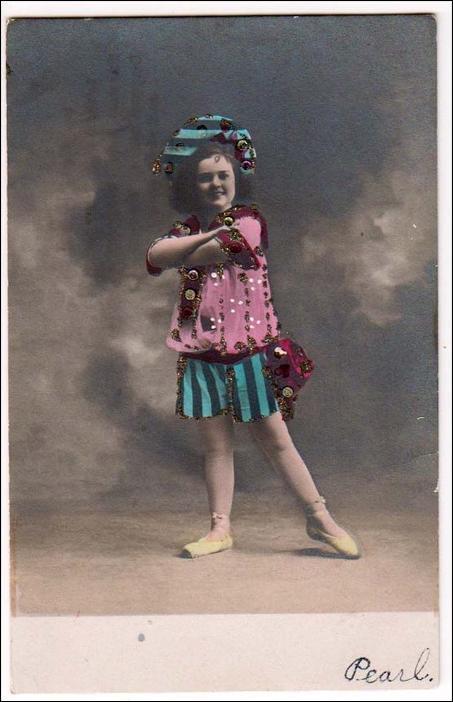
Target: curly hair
[184, 197]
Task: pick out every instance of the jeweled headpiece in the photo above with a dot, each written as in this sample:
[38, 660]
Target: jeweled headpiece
[200, 130]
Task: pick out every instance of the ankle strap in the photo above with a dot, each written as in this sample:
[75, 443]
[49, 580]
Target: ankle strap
[216, 515]
[310, 507]
[216, 518]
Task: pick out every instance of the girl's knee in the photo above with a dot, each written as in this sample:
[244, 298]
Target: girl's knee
[277, 444]
[216, 436]
[273, 443]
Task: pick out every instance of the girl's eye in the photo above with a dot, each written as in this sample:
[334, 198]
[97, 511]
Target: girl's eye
[207, 177]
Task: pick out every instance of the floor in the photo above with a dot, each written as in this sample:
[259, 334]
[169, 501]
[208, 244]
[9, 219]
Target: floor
[118, 560]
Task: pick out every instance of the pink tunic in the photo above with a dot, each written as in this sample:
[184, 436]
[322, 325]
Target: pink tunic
[225, 310]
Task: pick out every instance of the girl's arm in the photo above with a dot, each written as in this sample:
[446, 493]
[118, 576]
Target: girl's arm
[186, 250]
[207, 253]
[228, 246]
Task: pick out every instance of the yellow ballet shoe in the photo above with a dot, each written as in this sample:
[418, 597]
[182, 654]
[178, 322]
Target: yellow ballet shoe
[204, 547]
[344, 545]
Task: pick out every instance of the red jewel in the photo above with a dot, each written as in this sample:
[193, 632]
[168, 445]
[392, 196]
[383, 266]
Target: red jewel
[220, 137]
[235, 247]
[186, 312]
[283, 370]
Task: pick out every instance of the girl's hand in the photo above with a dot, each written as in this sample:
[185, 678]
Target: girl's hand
[212, 233]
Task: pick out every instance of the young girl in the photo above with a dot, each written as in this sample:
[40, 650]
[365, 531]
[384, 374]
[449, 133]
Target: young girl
[224, 319]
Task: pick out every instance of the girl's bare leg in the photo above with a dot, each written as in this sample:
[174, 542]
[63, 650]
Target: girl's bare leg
[216, 437]
[272, 436]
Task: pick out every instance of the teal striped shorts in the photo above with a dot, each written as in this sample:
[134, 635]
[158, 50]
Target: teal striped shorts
[211, 389]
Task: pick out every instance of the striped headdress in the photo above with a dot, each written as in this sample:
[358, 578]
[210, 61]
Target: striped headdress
[198, 130]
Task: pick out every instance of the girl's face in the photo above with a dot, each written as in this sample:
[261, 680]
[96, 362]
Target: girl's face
[216, 183]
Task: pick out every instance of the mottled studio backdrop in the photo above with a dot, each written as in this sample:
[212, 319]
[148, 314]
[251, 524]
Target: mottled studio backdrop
[342, 113]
